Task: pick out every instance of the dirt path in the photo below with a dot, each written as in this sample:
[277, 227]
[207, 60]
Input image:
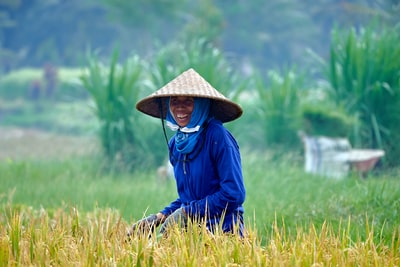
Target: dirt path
[17, 143]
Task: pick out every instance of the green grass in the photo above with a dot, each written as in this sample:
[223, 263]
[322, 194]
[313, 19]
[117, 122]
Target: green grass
[74, 118]
[68, 212]
[276, 191]
[17, 84]
[79, 183]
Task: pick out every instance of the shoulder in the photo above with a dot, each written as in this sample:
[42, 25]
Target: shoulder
[215, 128]
[217, 132]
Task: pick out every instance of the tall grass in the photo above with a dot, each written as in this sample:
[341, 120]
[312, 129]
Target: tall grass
[364, 74]
[115, 89]
[276, 108]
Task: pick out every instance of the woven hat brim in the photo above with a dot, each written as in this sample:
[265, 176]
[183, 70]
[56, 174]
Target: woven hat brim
[190, 83]
[223, 110]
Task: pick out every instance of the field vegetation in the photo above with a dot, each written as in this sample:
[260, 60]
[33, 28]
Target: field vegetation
[78, 164]
[67, 212]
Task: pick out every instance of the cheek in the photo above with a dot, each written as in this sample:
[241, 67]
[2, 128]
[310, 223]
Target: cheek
[191, 108]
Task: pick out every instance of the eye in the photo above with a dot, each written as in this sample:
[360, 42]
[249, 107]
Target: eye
[189, 102]
[173, 101]
[184, 102]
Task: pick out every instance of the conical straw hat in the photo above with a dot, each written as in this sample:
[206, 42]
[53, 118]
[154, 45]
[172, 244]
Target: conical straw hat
[190, 83]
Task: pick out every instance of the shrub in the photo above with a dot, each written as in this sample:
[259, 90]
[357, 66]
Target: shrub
[125, 134]
[365, 79]
[320, 120]
[277, 108]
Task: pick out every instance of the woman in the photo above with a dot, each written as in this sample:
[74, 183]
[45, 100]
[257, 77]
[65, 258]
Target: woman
[204, 155]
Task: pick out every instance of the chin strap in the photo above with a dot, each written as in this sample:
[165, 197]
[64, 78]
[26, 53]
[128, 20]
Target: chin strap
[160, 105]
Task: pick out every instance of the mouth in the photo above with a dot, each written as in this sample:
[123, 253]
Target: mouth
[182, 119]
[180, 116]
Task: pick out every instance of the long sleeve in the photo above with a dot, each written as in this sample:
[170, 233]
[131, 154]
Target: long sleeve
[172, 207]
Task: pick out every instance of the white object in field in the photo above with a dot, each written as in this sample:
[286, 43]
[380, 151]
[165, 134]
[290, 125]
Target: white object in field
[333, 157]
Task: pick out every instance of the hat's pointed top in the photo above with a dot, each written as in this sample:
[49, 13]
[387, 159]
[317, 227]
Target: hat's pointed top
[188, 83]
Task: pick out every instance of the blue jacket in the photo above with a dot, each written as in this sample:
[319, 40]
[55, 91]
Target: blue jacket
[209, 180]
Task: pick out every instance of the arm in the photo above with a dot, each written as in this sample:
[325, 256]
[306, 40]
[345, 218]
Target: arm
[170, 208]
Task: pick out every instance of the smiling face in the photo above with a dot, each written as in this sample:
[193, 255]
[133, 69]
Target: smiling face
[181, 108]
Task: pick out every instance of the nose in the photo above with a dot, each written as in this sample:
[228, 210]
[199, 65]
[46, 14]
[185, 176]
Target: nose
[180, 104]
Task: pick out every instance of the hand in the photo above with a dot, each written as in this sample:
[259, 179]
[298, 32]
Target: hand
[145, 225]
[178, 217]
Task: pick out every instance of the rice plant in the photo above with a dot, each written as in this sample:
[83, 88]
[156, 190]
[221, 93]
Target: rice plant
[35, 237]
[68, 213]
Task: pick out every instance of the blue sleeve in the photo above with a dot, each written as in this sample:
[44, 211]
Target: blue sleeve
[176, 204]
[172, 207]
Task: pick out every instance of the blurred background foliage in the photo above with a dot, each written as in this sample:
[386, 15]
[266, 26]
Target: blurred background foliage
[328, 68]
[115, 90]
[268, 33]
[364, 73]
